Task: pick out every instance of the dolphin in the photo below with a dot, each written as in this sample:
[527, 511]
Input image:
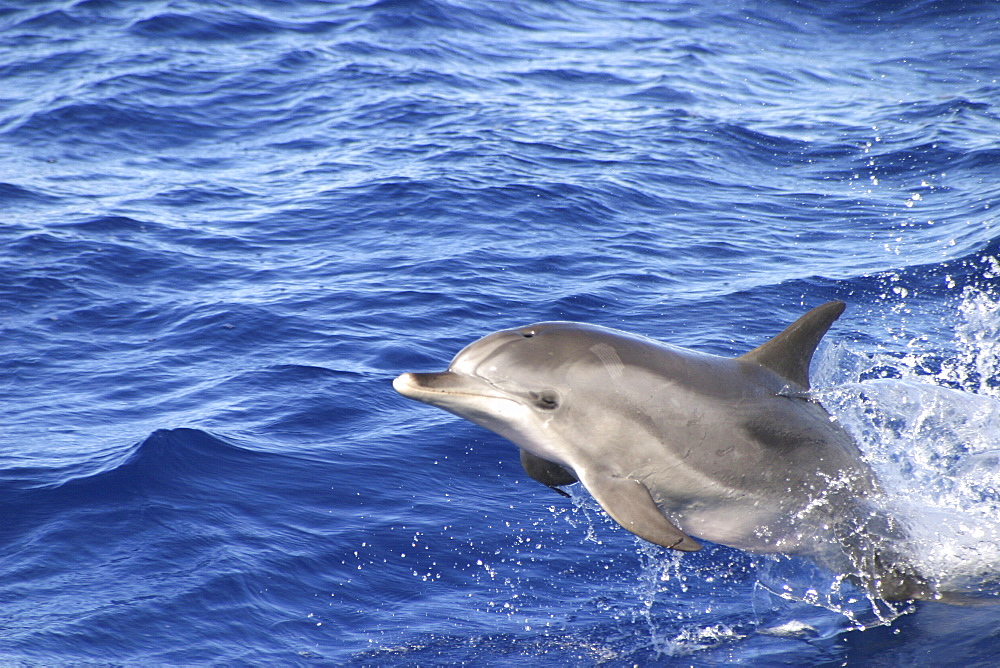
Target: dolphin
[676, 444]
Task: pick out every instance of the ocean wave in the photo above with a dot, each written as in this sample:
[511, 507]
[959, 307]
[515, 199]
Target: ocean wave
[183, 475]
[163, 456]
[184, 507]
[12, 194]
[232, 24]
[119, 127]
[977, 269]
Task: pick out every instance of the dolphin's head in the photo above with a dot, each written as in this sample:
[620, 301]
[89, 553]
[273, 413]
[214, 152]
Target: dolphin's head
[518, 383]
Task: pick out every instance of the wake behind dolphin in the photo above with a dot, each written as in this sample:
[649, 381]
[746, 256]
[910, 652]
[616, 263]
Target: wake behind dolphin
[676, 444]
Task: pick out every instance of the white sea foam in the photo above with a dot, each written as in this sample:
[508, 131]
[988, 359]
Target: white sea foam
[932, 433]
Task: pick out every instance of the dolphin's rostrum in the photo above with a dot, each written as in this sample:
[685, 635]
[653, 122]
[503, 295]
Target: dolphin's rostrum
[674, 443]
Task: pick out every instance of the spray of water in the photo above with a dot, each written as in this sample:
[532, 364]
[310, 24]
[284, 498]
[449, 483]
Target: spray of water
[932, 433]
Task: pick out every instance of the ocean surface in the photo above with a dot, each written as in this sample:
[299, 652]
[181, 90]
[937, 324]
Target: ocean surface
[226, 227]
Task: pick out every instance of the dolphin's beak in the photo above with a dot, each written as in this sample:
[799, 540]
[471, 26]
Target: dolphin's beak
[417, 385]
[444, 388]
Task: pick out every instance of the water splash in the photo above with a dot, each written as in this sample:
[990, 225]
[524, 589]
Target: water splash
[977, 366]
[932, 433]
[680, 600]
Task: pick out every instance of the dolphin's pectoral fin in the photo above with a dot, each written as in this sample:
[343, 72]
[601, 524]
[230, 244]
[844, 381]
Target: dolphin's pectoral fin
[549, 474]
[630, 504]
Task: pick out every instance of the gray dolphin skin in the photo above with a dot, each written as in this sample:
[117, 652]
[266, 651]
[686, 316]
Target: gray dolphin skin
[674, 443]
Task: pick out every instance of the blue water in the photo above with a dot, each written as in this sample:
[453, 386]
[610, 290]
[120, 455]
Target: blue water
[225, 227]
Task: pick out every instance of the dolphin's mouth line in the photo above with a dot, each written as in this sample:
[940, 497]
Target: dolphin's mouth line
[422, 389]
[463, 394]
[501, 392]
[494, 386]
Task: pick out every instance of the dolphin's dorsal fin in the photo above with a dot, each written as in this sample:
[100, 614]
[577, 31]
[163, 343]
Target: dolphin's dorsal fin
[789, 353]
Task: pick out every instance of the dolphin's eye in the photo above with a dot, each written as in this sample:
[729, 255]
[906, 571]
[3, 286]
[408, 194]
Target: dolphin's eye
[546, 399]
[527, 333]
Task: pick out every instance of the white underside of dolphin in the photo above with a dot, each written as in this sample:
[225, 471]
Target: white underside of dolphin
[674, 443]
